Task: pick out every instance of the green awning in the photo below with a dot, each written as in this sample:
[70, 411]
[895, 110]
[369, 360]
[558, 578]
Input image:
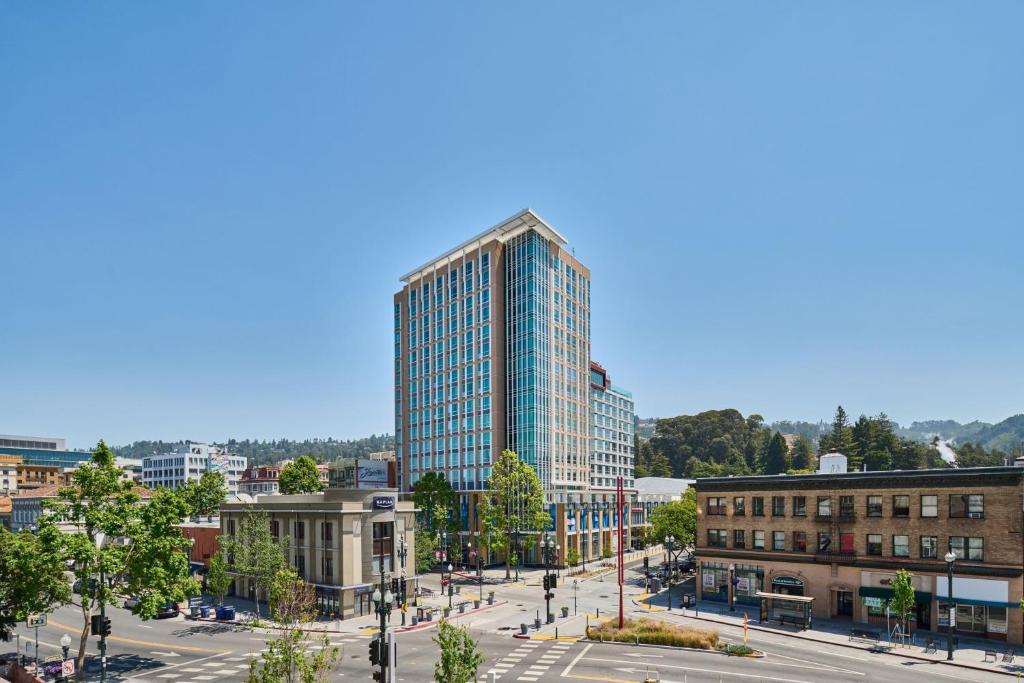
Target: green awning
[920, 597]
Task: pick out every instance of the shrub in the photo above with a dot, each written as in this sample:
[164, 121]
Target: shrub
[738, 650]
[656, 633]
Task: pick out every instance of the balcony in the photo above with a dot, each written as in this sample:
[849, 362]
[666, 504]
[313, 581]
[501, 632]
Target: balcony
[824, 517]
[835, 556]
[847, 516]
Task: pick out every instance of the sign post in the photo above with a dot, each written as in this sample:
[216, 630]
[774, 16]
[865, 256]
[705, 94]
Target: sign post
[35, 621]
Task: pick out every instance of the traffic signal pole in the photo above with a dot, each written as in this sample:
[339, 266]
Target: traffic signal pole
[103, 621]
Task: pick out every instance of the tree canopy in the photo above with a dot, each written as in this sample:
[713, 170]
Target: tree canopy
[677, 518]
[31, 577]
[435, 500]
[204, 496]
[300, 476]
[513, 505]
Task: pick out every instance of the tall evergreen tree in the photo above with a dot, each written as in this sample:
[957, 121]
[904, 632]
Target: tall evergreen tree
[803, 456]
[776, 460]
[840, 437]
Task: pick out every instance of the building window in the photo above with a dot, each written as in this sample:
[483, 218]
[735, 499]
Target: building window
[874, 544]
[800, 541]
[300, 531]
[328, 569]
[715, 506]
[824, 506]
[824, 541]
[231, 527]
[901, 546]
[758, 540]
[275, 529]
[846, 507]
[300, 565]
[968, 548]
[967, 505]
[778, 540]
[327, 534]
[874, 506]
[758, 506]
[799, 506]
[739, 506]
[929, 547]
[929, 506]
[901, 506]
[717, 538]
[383, 546]
[778, 506]
[739, 538]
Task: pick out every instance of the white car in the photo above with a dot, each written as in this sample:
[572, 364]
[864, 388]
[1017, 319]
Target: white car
[130, 603]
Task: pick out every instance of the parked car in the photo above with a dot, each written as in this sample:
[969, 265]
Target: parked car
[167, 610]
[77, 586]
[130, 603]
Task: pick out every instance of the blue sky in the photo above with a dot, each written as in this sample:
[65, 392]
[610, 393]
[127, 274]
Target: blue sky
[205, 208]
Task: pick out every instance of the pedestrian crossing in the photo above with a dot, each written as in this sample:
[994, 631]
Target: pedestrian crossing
[530, 661]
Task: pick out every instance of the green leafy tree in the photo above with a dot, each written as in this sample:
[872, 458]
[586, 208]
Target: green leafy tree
[426, 545]
[573, 556]
[31, 577]
[776, 460]
[903, 600]
[677, 518]
[255, 553]
[435, 499]
[803, 455]
[205, 496]
[149, 561]
[659, 466]
[513, 505]
[294, 656]
[300, 476]
[606, 552]
[217, 578]
[460, 657]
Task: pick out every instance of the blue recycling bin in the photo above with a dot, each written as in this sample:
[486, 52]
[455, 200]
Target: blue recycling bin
[229, 614]
[204, 612]
[219, 613]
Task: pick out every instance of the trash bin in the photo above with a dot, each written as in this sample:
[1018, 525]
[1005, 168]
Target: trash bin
[565, 612]
[194, 612]
[462, 608]
[204, 612]
[490, 597]
[522, 629]
[228, 614]
[476, 604]
[536, 623]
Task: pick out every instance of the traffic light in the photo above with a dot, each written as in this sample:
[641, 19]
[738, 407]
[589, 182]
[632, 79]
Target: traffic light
[95, 625]
[394, 586]
[554, 581]
[647, 562]
[374, 654]
[547, 583]
[105, 630]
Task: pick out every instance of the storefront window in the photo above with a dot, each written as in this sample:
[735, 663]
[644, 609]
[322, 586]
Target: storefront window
[714, 582]
[997, 620]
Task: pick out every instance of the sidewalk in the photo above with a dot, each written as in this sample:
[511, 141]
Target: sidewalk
[969, 654]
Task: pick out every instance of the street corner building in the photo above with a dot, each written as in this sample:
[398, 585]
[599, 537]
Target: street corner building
[492, 351]
[793, 548]
[339, 541]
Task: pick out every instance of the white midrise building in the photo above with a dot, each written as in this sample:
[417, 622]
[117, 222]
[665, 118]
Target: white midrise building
[191, 461]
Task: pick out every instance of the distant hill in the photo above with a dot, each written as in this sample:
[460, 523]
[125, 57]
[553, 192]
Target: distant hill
[811, 431]
[645, 427]
[265, 452]
[1007, 435]
[948, 430]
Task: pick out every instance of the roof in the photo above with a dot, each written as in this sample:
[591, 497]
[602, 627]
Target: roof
[510, 227]
[51, 490]
[946, 476]
[669, 485]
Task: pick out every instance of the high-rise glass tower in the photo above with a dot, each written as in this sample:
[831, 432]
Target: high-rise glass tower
[492, 351]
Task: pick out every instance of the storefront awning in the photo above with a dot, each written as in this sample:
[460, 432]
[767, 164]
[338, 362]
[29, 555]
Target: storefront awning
[920, 597]
[785, 596]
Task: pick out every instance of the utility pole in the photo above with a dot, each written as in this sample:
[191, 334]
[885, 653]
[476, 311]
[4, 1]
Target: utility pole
[622, 574]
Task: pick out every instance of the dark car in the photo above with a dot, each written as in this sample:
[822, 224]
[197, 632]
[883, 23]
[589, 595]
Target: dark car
[167, 610]
[90, 586]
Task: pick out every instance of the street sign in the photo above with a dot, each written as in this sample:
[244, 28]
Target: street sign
[195, 601]
[67, 668]
[35, 620]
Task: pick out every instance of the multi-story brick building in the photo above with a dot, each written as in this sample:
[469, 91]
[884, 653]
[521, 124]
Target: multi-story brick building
[829, 544]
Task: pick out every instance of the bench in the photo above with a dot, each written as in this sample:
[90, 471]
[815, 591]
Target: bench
[991, 653]
[789, 619]
[931, 646]
[865, 634]
[1009, 656]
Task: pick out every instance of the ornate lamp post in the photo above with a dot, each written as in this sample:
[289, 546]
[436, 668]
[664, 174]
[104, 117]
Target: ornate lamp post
[732, 588]
[548, 548]
[65, 645]
[451, 589]
[402, 552]
[383, 598]
[670, 544]
[950, 558]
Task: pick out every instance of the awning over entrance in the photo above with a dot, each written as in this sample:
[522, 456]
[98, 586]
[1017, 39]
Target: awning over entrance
[784, 596]
[920, 597]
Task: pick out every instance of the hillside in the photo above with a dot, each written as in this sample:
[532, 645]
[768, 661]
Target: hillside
[1007, 435]
[264, 452]
[947, 430]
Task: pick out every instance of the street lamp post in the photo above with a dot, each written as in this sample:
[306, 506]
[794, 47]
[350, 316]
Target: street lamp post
[951, 623]
[383, 598]
[670, 542]
[575, 587]
[732, 588]
[65, 645]
[548, 548]
[402, 552]
[451, 589]
[479, 570]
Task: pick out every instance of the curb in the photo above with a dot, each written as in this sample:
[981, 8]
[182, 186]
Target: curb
[906, 655]
[434, 622]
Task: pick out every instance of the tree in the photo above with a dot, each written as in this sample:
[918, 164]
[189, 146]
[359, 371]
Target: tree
[217, 578]
[840, 438]
[434, 497]
[460, 657]
[903, 599]
[426, 545]
[300, 476]
[803, 456]
[206, 495]
[31, 577]
[255, 553]
[677, 518]
[573, 556]
[292, 656]
[659, 466]
[776, 459]
[513, 504]
[149, 562]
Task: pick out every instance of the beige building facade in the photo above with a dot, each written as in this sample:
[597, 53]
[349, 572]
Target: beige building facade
[840, 538]
[339, 541]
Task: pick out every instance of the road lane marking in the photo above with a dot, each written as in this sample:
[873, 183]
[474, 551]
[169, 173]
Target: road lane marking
[711, 671]
[813, 665]
[148, 643]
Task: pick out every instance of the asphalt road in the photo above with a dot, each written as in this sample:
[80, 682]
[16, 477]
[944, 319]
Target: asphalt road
[180, 651]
